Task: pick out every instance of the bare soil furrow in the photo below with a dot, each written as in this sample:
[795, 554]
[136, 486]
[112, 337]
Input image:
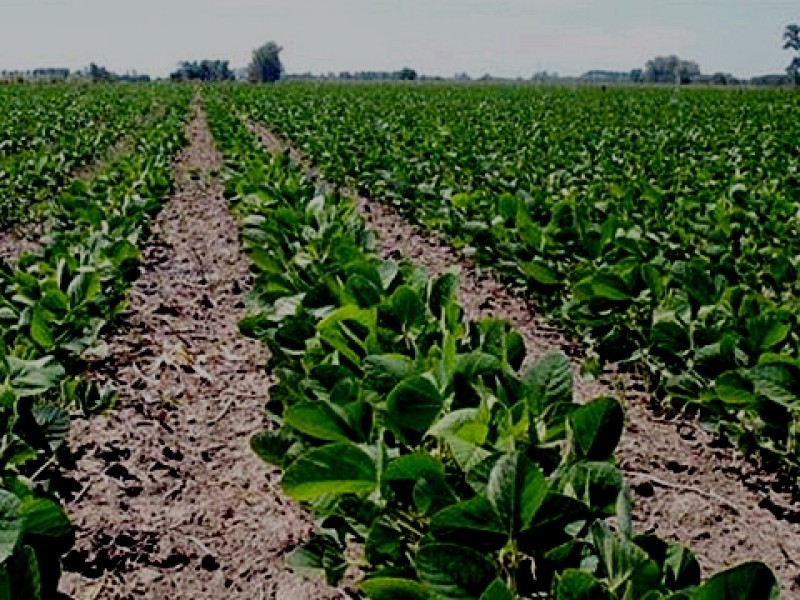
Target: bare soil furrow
[170, 502]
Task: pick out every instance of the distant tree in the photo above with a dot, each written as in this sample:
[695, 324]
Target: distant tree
[720, 78]
[206, 70]
[670, 69]
[98, 73]
[791, 38]
[407, 74]
[266, 65]
[637, 75]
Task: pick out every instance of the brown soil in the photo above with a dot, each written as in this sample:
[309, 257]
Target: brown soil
[19, 240]
[172, 503]
[686, 486]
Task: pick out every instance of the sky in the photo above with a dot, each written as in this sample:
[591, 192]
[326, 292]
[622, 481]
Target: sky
[507, 38]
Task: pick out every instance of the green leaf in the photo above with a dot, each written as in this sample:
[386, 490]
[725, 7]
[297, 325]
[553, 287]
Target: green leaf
[497, 591]
[84, 288]
[53, 422]
[768, 330]
[44, 517]
[596, 484]
[320, 420]
[552, 524]
[413, 466]
[41, 332]
[271, 447]
[333, 470]
[574, 584]
[454, 572]
[602, 286]
[383, 372]
[516, 490]
[394, 588]
[749, 581]
[25, 575]
[734, 389]
[414, 404]
[679, 567]
[408, 307]
[321, 556]
[473, 523]
[626, 565]
[385, 542]
[34, 377]
[11, 524]
[550, 380]
[443, 291]
[597, 428]
[465, 431]
[540, 273]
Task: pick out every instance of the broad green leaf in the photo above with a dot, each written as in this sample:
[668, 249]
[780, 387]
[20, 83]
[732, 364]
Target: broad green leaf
[34, 377]
[550, 380]
[454, 572]
[602, 286]
[44, 517]
[384, 372]
[11, 524]
[41, 330]
[749, 581]
[498, 590]
[473, 523]
[540, 273]
[408, 307]
[442, 292]
[321, 420]
[596, 428]
[332, 470]
[413, 466]
[734, 389]
[597, 484]
[53, 422]
[84, 288]
[321, 556]
[271, 447]
[573, 584]
[626, 565]
[414, 404]
[516, 490]
[385, 543]
[679, 567]
[768, 330]
[394, 588]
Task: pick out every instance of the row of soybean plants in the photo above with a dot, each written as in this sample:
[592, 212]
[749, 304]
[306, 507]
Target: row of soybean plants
[657, 225]
[55, 306]
[48, 132]
[435, 466]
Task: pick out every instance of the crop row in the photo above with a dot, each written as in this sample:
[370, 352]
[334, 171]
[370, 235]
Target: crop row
[55, 306]
[415, 435]
[658, 226]
[49, 132]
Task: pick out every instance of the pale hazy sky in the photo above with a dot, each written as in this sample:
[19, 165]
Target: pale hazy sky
[503, 37]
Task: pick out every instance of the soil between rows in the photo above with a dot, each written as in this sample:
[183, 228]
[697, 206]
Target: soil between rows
[170, 501]
[686, 485]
